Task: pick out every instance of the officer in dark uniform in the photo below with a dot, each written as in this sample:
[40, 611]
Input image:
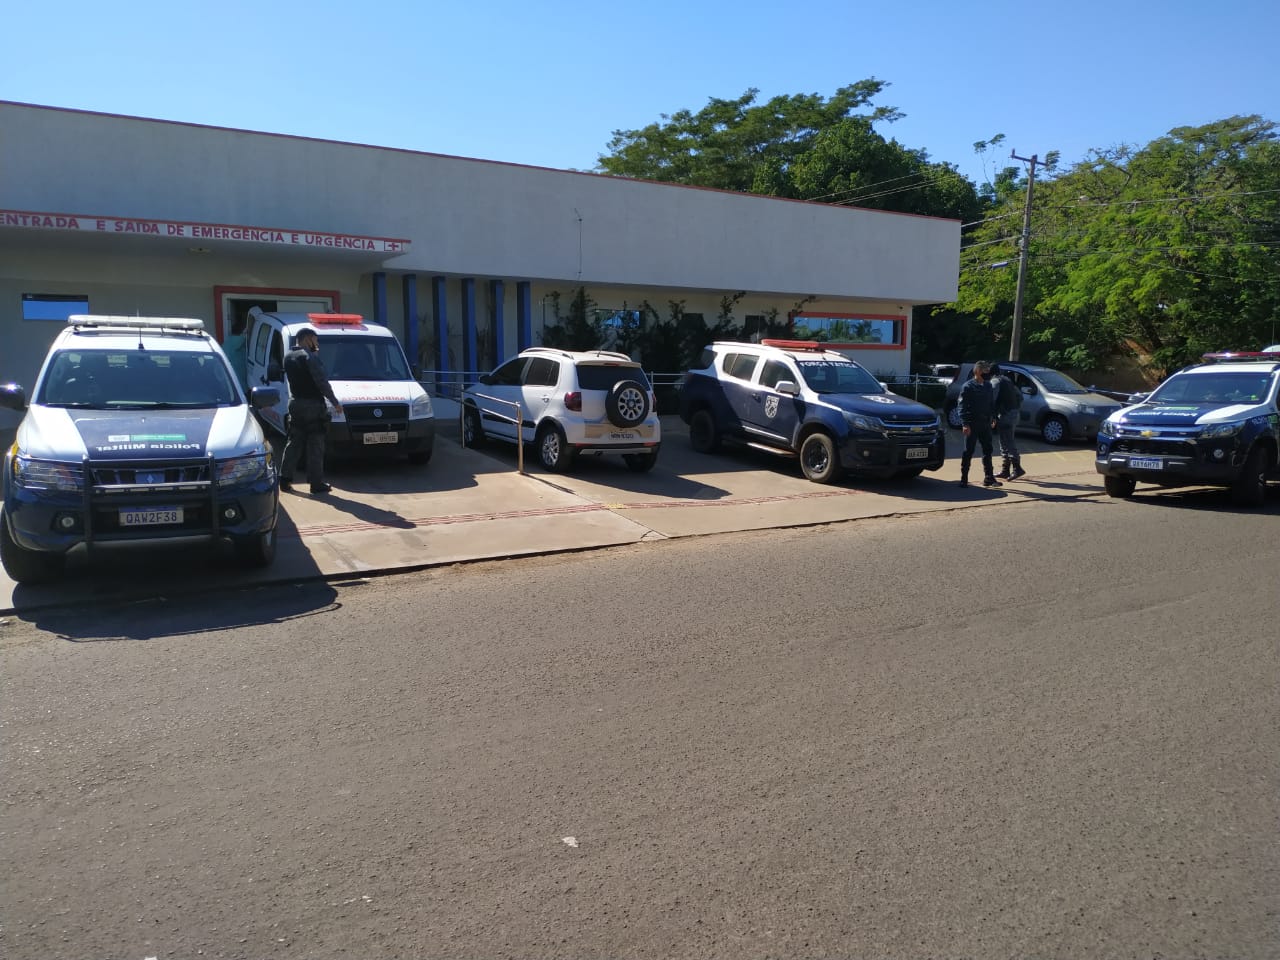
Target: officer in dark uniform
[308, 416]
[977, 416]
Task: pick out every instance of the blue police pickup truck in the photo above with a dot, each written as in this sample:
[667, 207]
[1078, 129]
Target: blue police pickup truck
[795, 398]
[1213, 424]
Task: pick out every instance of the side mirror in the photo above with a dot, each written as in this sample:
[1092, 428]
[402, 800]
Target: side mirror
[1137, 397]
[275, 372]
[13, 397]
[261, 397]
[486, 379]
[789, 387]
[1030, 391]
[416, 370]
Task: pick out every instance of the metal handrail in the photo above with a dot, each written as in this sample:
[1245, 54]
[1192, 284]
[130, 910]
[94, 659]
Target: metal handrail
[518, 421]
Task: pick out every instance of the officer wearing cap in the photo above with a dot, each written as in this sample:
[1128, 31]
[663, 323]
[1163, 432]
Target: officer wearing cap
[308, 417]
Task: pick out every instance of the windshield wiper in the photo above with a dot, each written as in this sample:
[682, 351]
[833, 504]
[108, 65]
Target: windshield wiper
[75, 404]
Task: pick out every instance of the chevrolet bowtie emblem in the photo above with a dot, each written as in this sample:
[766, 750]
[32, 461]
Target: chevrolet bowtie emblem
[1148, 433]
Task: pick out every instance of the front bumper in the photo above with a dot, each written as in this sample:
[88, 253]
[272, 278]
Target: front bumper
[363, 439]
[876, 455]
[56, 521]
[1214, 462]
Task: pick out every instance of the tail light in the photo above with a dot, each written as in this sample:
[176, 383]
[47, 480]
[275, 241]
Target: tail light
[573, 401]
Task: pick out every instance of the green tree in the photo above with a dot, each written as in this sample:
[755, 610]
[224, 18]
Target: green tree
[580, 329]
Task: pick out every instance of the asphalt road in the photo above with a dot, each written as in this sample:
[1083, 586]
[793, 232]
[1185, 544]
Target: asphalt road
[1030, 730]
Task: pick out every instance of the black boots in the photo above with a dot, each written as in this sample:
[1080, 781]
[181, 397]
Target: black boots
[1004, 468]
[1017, 470]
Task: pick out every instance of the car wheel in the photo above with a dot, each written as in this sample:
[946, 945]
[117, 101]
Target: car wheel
[627, 403]
[1054, 429]
[953, 417]
[27, 566]
[554, 451]
[472, 431]
[640, 462]
[1249, 489]
[703, 435]
[1119, 486]
[818, 458]
[258, 550]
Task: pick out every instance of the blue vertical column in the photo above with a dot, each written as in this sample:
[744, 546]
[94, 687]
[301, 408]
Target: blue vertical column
[497, 290]
[380, 298]
[410, 300]
[469, 348]
[524, 315]
[440, 306]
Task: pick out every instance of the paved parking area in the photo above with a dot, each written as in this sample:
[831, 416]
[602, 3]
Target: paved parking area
[471, 505]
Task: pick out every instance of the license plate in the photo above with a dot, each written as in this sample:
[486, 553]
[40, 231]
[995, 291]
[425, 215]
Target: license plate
[1146, 463]
[391, 437]
[150, 518]
[917, 453]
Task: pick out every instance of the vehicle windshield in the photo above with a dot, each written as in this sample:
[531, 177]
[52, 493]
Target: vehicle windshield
[1223, 388]
[602, 376]
[1055, 382]
[111, 378]
[838, 376]
[363, 358]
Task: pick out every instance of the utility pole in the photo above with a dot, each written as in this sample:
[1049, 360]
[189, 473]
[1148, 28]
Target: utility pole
[1015, 337]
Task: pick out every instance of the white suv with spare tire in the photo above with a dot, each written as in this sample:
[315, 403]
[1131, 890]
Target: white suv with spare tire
[567, 403]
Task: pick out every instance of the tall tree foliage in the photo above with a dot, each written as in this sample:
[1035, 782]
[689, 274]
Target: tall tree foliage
[1163, 252]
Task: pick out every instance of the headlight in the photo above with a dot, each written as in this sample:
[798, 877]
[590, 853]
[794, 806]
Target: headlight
[243, 469]
[1229, 429]
[1109, 428]
[860, 422]
[420, 408]
[47, 474]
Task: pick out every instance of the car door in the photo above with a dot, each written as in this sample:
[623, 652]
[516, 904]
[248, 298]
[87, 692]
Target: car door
[266, 369]
[498, 395]
[741, 393]
[773, 416]
[1033, 400]
[538, 392]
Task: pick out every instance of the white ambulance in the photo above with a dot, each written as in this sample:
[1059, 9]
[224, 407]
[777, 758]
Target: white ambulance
[385, 411]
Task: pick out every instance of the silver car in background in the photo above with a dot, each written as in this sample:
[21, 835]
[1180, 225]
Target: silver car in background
[1053, 405]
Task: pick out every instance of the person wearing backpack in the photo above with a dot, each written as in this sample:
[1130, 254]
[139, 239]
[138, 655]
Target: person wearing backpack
[1008, 400]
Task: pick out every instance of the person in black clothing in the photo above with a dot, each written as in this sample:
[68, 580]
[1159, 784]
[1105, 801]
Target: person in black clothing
[977, 416]
[308, 416]
[1008, 400]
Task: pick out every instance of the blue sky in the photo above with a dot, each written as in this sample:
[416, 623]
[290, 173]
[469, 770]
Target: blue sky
[547, 83]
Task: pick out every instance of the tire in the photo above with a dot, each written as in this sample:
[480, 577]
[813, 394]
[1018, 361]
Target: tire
[1121, 487]
[472, 428]
[818, 461]
[258, 550]
[554, 451]
[703, 435]
[627, 403]
[641, 462]
[27, 566]
[1249, 489]
[953, 417]
[420, 458]
[1054, 430]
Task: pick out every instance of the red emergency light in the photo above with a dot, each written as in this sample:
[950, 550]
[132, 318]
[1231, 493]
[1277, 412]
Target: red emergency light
[1243, 355]
[795, 344]
[336, 319]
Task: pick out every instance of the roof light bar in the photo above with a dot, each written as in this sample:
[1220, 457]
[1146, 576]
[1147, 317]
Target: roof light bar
[794, 344]
[134, 323]
[1243, 355]
[336, 319]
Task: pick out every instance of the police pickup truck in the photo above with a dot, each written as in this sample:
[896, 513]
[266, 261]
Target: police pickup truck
[385, 411]
[796, 398]
[1215, 424]
[136, 430]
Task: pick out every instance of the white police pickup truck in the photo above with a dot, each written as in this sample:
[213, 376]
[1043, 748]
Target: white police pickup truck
[136, 430]
[385, 410]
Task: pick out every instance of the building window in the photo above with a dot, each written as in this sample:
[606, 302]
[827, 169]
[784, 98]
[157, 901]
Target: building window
[872, 330]
[51, 306]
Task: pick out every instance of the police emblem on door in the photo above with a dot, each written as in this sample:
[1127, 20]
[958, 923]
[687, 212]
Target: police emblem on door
[770, 407]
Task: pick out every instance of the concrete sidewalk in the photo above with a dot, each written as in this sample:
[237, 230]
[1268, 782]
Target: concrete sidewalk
[469, 505]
